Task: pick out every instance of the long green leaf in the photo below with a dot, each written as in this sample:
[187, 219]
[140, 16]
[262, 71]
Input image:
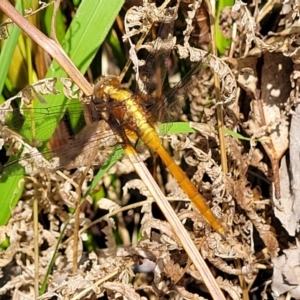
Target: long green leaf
[8, 48]
[10, 189]
[86, 33]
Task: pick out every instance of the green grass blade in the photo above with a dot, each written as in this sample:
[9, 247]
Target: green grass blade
[9, 190]
[8, 48]
[175, 128]
[184, 127]
[84, 37]
[222, 42]
[116, 156]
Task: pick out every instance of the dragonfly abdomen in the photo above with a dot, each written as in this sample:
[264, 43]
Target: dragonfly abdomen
[150, 137]
[187, 186]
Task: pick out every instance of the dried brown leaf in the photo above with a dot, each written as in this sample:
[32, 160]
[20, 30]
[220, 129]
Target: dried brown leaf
[117, 289]
[294, 162]
[268, 110]
[286, 273]
[287, 210]
[182, 292]
[233, 290]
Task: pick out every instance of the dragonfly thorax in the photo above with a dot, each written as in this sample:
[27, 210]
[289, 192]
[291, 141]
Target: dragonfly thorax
[104, 85]
[122, 105]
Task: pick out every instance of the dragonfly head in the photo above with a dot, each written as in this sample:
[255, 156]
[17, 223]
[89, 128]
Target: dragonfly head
[104, 85]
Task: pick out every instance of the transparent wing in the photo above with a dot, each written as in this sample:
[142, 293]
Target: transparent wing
[66, 150]
[164, 105]
[154, 71]
[174, 98]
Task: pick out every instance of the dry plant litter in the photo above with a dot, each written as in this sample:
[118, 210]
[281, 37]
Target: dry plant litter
[256, 199]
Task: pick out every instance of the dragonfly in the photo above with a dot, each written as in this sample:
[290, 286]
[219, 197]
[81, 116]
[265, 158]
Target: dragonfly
[129, 117]
[136, 122]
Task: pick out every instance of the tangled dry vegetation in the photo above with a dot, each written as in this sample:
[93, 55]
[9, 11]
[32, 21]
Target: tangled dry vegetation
[126, 249]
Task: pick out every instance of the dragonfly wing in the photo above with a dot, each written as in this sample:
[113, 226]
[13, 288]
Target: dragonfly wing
[28, 121]
[67, 150]
[153, 72]
[166, 107]
[173, 100]
[91, 146]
